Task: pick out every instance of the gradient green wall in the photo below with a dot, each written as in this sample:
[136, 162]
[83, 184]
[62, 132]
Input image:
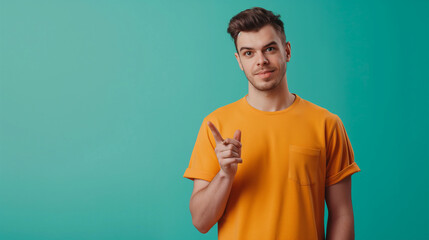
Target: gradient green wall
[101, 102]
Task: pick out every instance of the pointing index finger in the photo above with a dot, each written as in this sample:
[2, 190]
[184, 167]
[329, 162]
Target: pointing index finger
[216, 134]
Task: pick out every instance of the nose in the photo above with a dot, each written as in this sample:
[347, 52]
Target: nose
[262, 60]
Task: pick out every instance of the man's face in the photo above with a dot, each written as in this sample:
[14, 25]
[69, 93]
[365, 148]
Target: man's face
[260, 52]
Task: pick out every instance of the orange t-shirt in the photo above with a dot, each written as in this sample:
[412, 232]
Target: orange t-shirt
[289, 157]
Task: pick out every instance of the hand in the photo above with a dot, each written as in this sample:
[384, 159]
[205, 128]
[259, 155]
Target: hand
[228, 151]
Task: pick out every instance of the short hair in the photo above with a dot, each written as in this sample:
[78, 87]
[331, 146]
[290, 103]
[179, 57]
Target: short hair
[254, 19]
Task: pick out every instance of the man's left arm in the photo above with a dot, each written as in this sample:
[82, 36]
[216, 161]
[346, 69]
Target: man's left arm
[340, 211]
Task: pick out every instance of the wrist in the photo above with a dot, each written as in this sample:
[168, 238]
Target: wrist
[225, 175]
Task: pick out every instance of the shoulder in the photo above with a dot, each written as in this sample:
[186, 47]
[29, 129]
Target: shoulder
[318, 112]
[224, 112]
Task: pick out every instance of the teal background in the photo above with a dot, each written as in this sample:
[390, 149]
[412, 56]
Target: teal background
[101, 102]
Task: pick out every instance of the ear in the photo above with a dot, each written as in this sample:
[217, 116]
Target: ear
[238, 60]
[288, 51]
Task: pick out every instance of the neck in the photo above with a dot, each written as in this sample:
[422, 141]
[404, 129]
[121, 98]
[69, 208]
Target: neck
[273, 100]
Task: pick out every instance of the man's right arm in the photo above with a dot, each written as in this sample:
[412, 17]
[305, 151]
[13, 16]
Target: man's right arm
[209, 199]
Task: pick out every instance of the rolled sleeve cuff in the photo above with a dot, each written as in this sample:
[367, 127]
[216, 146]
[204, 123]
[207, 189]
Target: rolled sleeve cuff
[192, 174]
[349, 170]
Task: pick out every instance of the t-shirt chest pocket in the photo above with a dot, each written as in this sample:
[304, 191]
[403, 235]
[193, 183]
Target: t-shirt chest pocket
[304, 164]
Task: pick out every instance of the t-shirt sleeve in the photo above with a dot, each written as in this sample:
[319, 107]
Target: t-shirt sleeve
[203, 163]
[339, 154]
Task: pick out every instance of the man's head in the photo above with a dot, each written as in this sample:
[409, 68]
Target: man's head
[252, 20]
[261, 46]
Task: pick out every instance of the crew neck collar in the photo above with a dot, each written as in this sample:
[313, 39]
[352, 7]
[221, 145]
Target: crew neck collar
[255, 110]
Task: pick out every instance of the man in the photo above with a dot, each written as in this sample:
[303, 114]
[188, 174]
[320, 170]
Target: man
[287, 154]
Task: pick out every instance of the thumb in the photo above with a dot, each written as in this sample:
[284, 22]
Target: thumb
[237, 135]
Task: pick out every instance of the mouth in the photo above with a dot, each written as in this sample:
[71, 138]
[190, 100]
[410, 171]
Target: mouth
[265, 74]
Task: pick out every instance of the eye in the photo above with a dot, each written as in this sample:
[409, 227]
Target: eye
[271, 48]
[247, 54]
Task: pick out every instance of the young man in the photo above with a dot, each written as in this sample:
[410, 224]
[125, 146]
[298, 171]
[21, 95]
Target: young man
[287, 154]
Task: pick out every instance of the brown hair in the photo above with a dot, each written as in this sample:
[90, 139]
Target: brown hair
[254, 19]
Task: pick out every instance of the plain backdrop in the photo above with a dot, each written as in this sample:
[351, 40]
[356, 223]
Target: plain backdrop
[101, 102]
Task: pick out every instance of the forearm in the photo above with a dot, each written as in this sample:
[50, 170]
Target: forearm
[208, 205]
[340, 227]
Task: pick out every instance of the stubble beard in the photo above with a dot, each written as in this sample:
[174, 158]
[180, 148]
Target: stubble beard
[266, 85]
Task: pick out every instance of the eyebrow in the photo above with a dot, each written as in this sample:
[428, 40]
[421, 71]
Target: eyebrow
[271, 43]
